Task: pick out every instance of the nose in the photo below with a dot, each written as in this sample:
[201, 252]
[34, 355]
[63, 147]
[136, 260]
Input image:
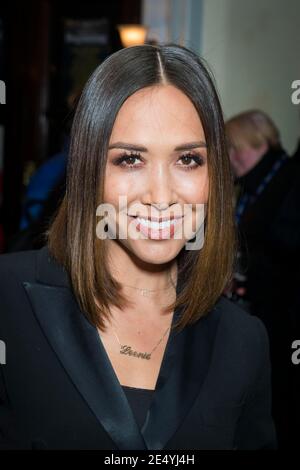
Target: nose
[159, 190]
[160, 206]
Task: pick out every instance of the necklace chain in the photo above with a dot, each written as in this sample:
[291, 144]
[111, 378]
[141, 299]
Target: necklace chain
[126, 349]
[145, 292]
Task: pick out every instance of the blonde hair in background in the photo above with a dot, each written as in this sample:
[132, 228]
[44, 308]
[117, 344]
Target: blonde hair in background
[252, 128]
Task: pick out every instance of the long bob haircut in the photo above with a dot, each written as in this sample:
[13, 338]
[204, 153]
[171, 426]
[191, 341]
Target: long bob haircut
[71, 236]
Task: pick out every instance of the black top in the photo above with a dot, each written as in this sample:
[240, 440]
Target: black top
[58, 389]
[139, 399]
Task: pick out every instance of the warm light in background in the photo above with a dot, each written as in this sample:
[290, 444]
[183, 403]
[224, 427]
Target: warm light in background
[132, 34]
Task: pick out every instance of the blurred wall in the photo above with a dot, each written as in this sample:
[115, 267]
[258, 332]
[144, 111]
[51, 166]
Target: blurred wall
[252, 47]
[178, 21]
[254, 51]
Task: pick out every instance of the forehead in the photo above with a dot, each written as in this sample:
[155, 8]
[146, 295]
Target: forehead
[158, 111]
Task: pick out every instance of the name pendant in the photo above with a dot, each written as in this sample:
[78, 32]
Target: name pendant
[125, 349]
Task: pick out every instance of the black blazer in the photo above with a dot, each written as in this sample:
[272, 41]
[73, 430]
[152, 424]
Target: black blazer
[59, 390]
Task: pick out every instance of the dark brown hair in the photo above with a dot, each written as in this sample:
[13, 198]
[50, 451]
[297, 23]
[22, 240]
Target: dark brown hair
[202, 274]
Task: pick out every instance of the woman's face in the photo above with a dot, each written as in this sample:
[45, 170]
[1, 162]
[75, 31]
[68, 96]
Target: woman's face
[245, 158]
[149, 161]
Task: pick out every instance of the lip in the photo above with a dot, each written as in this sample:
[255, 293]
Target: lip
[157, 219]
[157, 234]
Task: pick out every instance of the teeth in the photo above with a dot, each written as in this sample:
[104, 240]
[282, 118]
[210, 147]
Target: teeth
[156, 225]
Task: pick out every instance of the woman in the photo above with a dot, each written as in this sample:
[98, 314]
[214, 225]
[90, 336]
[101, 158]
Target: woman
[267, 213]
[125, 342]
[263, 177]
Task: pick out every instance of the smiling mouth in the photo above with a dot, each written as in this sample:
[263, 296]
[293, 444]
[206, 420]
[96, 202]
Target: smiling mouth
[157, 223]
[150, 228]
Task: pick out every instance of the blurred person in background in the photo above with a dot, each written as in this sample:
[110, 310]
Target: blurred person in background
[45, 190]
[267, 215]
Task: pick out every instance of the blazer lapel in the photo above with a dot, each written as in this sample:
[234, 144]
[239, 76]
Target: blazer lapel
[183, 370]
[78, 346]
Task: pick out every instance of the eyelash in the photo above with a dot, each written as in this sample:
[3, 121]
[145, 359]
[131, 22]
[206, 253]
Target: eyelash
[198, 159]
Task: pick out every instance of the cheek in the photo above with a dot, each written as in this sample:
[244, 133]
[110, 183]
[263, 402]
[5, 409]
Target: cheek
[115, 186]
[196, 190]
[237, 160]
[206, 190]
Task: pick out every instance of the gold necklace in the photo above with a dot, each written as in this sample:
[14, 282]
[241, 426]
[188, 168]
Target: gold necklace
[126, 349]
[145, 292]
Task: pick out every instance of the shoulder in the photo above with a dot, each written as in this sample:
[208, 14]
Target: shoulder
[239, 331]
[15, 269]
[24, 272]
[16, 266]
[240, 354]
[32, 266]
[235, 317]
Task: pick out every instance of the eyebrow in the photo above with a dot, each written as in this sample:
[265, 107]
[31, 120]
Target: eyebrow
[139, 148]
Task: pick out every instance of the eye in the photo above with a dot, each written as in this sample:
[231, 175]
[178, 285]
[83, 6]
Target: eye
[192, 157]
[127, 161]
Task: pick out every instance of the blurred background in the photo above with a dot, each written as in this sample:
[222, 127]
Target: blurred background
[48, 49]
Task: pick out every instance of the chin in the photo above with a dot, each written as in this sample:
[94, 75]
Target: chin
[155, 252]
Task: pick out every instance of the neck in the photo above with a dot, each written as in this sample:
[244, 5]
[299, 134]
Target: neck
[135, 274]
